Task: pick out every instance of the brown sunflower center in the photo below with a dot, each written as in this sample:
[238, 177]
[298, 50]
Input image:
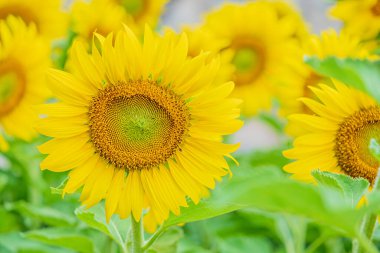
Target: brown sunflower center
[311, 80]
[352, 143]
[249, 60]
[12, 86]
[138, 124]
[20, 11]
[376, 8]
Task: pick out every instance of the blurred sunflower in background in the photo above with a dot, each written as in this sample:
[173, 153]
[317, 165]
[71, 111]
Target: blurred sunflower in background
[139, 125]
[259, 50]
[336, 138]
[360, 18]
[48, 17]
[328, 44]
[100, 16]
[24, 58]
[144, 11]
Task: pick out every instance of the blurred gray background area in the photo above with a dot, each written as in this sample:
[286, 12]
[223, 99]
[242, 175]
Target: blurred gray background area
[255, 134]
[180, 12]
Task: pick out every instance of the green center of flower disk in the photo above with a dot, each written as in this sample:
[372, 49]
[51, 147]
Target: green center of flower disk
[249, 59]
[134, 7]
[138, 124]
[353, 140]
[12, 86]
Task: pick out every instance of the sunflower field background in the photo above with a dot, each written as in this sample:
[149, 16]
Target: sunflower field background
[189, 126]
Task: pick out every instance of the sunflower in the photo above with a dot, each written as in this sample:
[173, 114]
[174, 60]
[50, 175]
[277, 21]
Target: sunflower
[144, 11]
[328, 44]
[50, 21]
[139, 125]
[337, 137]
[260, 44]
[24, 58]
[360, 18]
[102, 16]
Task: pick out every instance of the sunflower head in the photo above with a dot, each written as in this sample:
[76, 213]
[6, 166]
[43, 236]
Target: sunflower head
[328, 44]
[101, 16]
[47, 16]
[144, 11]
[360, 18]
[146, 123]
[24, 58]
[258, 51]
[337, 137]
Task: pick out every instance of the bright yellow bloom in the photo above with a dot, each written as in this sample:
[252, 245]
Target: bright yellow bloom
[360, 17]
[261, 45]
[328, 44]
[139, 125]
[337, 137]
[46, 15]
[24, 58]
[102, 16]
[144, 11]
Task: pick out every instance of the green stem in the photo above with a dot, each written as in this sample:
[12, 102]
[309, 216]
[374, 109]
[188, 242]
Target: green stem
[317, 243]
[367, 227]
[153, 238]
[137, 235]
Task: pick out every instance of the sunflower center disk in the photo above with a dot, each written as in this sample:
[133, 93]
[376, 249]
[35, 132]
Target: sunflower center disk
[20, 11]
[352, 143]
[137, 125]
[12, 87]
[376, 8]
[248, 60]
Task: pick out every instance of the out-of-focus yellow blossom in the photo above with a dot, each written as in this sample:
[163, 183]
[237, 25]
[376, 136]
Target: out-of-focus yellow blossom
[360, 17]
[48, 17]
[24, 58]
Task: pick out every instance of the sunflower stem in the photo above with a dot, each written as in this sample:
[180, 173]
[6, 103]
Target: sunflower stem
[368, 225]
[137, 235]
[153, 238]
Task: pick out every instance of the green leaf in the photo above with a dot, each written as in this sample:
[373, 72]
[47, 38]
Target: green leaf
[352, 189]
[267, 190]
[238, 244]
[47, 215]
[63, 237]
[94, 217]
[374, 148]
[14, 242]
[361, 74]
[168, 241]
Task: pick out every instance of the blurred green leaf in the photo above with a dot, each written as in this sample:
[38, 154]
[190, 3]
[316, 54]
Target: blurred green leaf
[15, 243]
[361, 74]
[238, 244]
[46, 215]
[266, 189]
[353, 189]
[94, 217]
[374, 148]
[167, 242]
[63, 237]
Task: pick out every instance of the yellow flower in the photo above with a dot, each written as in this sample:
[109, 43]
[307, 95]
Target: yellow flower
[139, 125]
[360, 17]
[328, 44]
[102, 16]
[24, 58]
[46, 15]
[261, 45]
[337, 137]
[144, 11]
